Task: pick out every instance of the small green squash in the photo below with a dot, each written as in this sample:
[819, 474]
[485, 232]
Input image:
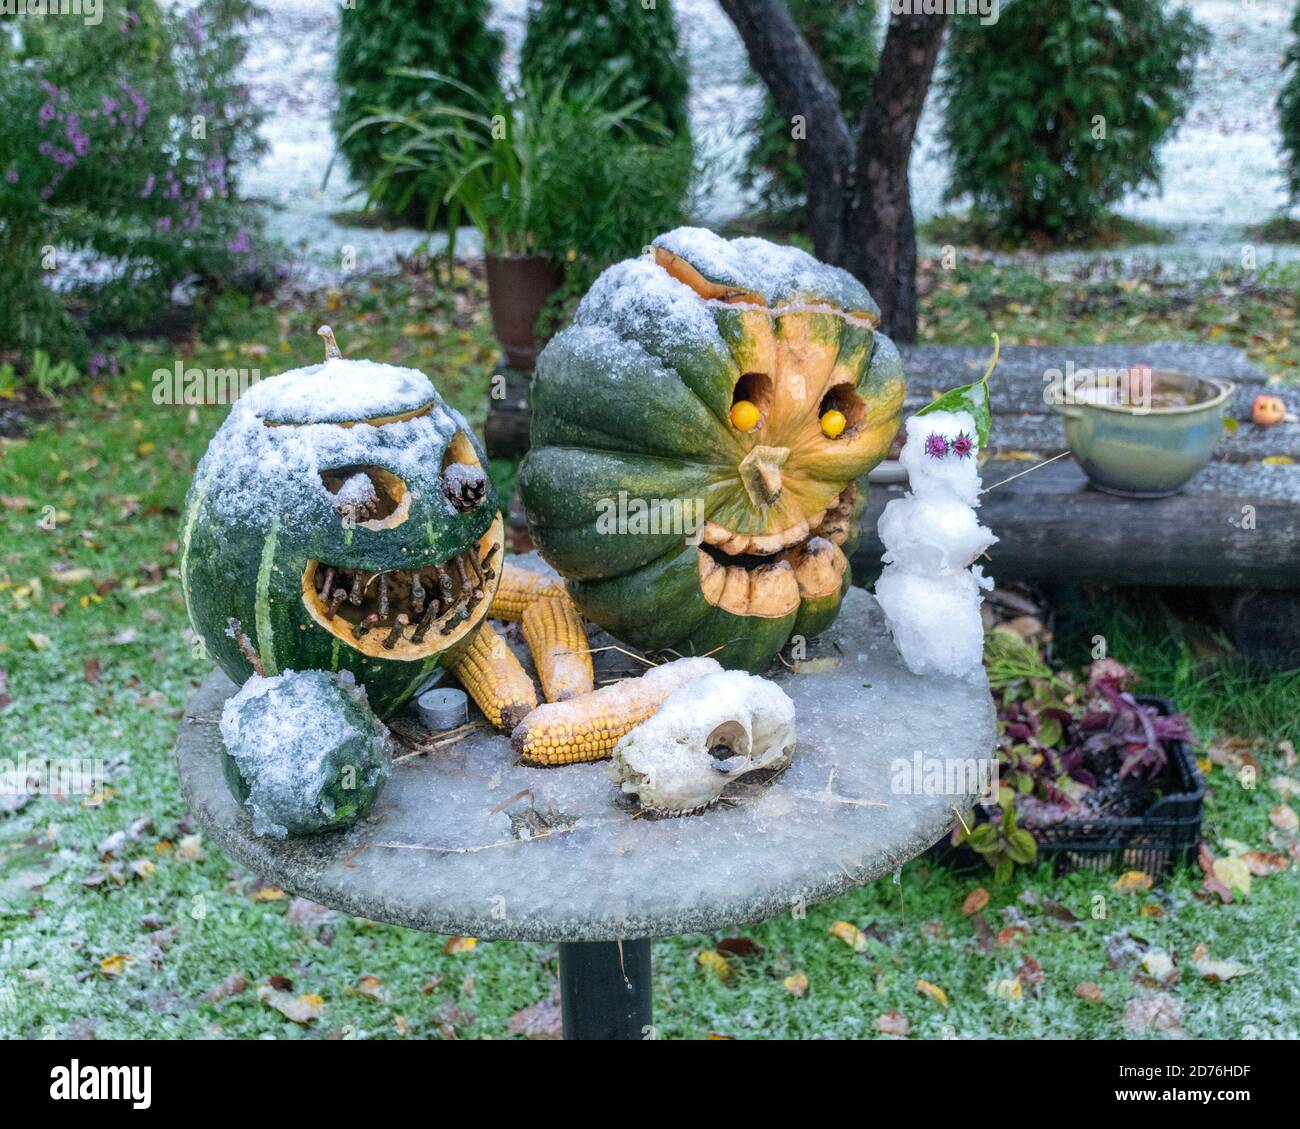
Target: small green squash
[701, 435]
[341, 520]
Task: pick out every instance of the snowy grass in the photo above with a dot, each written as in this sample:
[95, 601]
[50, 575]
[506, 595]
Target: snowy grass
[101, 667]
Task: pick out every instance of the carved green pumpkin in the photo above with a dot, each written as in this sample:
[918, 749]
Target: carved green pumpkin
[701, 435]
[342, 518]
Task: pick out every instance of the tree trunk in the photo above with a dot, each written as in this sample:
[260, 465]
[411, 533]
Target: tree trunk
[881, 245]
[803, 95]
[859, 199]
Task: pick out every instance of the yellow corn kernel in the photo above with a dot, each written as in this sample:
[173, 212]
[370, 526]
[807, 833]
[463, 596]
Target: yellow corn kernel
[493, 677]
[555, 636]
[519, 587]
[587, 728]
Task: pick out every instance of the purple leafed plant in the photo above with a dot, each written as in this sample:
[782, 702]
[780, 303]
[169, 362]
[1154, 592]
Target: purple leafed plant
[1126, 727]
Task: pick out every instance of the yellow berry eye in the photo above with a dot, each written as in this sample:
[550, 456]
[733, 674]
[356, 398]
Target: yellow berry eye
[745, 416]
[833, 424]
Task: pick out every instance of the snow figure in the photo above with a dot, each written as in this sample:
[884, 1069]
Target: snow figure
[930, 587]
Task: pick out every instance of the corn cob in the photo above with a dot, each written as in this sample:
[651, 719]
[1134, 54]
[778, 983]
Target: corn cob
[587, 728]
[519, 587]
[495, 680]
[558, 642]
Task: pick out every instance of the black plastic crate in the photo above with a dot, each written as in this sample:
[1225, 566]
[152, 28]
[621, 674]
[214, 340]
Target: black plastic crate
[1166, 834]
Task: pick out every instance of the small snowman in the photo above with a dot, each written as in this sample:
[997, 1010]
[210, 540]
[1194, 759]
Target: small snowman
[930, 587]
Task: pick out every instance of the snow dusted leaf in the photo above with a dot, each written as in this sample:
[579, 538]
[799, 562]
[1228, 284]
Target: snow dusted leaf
[114, 965]
[1159, 966]
[933, 991]
[1215, 970]
[1234, 874]
[1284, 818]
[1087, 990]
[457, 945]
[299, 1009]
[372, 988]
[541, 1020]
[739, 947]
[190, 849]
[232, 985]
[850, 934]
[1030, 973]
[975, 901]
[1159, 1012]
[1263, 863]
[715, 962]
[893, 1023]
[1006, 989]
[303, 911]
[38, 641]
[796, 984]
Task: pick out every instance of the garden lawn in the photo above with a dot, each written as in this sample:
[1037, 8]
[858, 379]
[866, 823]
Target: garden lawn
[150, 933]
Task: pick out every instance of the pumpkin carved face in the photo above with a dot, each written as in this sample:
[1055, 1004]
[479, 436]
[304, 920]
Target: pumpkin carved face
[343, 518]
[700, 438]
[1267, 411]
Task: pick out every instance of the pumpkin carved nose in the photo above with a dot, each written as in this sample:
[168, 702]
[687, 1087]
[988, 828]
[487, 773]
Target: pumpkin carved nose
[464, 485]
[760, 471]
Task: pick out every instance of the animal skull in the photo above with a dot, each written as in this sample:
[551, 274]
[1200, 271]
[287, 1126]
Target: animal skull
[708, 734]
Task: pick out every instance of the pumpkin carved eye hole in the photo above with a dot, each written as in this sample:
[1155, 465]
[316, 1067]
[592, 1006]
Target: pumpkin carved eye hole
[368, 496]
[841, 412]
[464, 482]
[751, 401]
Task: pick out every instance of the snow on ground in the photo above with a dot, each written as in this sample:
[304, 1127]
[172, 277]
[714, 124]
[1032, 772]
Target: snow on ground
[1222, 170]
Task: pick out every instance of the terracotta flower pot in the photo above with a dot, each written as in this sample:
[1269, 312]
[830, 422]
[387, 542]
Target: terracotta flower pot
[519, 287]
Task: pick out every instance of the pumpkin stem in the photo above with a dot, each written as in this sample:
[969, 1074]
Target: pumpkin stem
[332, 350]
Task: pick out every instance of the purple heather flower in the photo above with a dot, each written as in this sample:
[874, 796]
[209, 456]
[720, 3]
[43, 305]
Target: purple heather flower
[109, 104]
[46, 113]
[164, 224]
[45, 149]
[12, 176]
[148, 186]
[240, 245]
[936, 446]
[962, 446]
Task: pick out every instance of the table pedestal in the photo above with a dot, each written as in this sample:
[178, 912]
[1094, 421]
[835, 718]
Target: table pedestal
[605, 989]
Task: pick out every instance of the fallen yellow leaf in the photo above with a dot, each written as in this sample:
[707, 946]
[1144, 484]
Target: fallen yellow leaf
[1131, 881]
[1233, 873]
[269, 894]
[850, 934]
[797, 985]
[457, 945]
[975, 901]
[715, 962]
[114, 965]
[933, 991]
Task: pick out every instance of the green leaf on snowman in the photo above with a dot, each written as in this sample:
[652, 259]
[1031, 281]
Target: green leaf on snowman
[973, 398]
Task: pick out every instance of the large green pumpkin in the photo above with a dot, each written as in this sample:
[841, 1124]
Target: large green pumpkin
[346, 477]
[673, 526]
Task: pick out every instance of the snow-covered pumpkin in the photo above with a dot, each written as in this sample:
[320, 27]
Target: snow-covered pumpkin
[701, 435]
[341, 519]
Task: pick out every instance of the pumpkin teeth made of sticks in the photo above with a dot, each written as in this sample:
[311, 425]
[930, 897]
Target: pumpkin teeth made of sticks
[342, 515]
[701, 436]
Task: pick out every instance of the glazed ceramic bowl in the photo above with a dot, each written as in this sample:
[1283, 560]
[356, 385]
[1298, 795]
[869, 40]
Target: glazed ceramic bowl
[1148, 449]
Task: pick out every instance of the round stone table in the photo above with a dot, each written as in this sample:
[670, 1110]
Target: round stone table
[465, 841]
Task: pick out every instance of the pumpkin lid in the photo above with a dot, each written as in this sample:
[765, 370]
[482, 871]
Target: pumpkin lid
[341, 391]
[754, 270]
